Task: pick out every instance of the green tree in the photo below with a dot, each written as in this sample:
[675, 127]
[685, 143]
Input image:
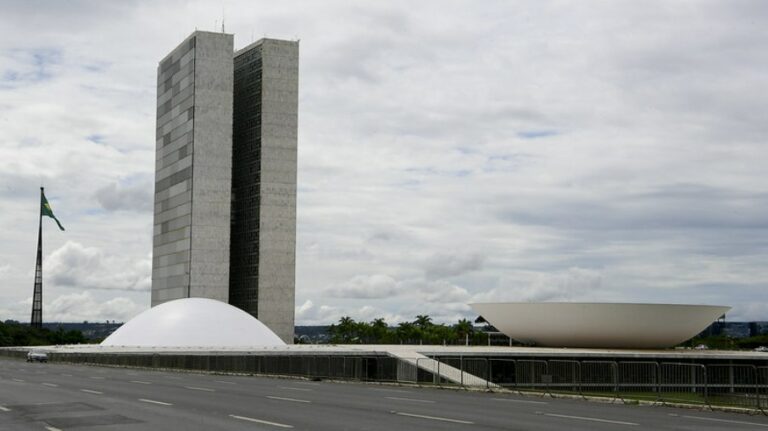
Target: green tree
[345, 331]
[463, 330]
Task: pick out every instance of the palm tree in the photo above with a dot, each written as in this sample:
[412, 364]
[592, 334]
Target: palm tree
[405, 332]
[344, 332]
[379, 329]
[464, 328]
[423, 321]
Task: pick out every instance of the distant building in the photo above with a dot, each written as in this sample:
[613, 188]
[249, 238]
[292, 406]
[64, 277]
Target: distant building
[735, 329]
[225, 176]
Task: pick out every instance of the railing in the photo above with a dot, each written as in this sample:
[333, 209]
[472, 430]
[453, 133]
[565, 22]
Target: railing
[733, 385]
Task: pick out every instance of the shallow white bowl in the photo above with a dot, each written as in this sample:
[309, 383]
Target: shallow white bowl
[599, 325]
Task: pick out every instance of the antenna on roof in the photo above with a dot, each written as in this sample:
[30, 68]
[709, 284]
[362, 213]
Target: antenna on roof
[222, 18]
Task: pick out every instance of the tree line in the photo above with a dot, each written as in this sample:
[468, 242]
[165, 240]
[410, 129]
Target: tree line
[13, 333]
[419, 331]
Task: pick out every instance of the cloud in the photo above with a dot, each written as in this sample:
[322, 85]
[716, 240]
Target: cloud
[544, 155]
[443, 265]
[134, 197]
[76, 266]
[573, 284]
[365, 286]
[310, 314]
[77, 307]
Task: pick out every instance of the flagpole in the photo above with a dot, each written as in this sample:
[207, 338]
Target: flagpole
[37, 297]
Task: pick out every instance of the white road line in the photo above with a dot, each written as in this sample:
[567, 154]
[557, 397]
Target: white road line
[288, 399]
[725, 421]
[50, 428]
[582, 418]
[227, 383]
[511, 400]
[90, 391]
[195, 388]
[141, 382]
[434, 418]
[144, 400]
[53, 385]
[296, 389]
[4, 409]
[259, 421]
[415, 400]
[391, 390]
[18, 380]
[98, 377]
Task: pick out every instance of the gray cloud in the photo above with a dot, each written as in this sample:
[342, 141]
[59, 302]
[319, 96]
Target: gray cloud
[443, 265]
[417, 121]
[76, 266]
[136, 197]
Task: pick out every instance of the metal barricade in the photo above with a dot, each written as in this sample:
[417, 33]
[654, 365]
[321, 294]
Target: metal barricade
[683, 383]
[638, 380]
[426, 371]
[762, 389]
[599, 378]
[566, 376]
[501, 372]
[733, 385]
[532, 375]
[407, 371]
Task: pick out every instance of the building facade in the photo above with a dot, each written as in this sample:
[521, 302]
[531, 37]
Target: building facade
[225, 176]
[263, 246]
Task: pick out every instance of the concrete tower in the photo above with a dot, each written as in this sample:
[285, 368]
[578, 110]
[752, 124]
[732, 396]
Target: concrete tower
[226, 168]
[193, 170]
[263, 247]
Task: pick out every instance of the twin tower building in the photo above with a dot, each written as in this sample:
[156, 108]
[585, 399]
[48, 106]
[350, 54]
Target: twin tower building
[225, 176]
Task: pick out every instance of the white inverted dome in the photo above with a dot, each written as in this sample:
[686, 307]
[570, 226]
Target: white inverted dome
[193, 322]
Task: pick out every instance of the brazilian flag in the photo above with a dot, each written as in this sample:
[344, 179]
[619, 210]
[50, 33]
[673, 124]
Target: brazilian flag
[45, 209]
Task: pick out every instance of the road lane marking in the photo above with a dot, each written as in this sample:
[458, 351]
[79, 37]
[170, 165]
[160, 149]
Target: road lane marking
[296, 389]
[141, 382]
[259, 421]
[434, 418]
[725, 421]
[520, 401]
[583, 418]
[144, 400]
[415, 400]
[50, 428]
[90, 391]
[391, 390]
[288, 399]
[195, 388]
[222, 381]
[18, 380]
[98, 377]
[53, 385]
[4, 409]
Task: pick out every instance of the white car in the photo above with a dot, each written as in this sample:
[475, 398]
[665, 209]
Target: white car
[761, 349]
[37, 356]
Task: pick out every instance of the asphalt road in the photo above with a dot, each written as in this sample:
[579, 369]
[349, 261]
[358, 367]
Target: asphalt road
[63, 397]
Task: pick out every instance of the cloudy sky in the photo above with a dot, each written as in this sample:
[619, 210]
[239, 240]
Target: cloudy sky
[449, 152]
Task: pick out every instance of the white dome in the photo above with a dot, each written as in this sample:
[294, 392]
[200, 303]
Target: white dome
[193, 322]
